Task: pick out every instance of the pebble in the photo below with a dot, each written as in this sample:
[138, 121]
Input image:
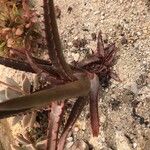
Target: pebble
[76, 129]
[70, 44]
[139, 33]
[124, 40]
[134, 145]
[96, 12]
[70, 139]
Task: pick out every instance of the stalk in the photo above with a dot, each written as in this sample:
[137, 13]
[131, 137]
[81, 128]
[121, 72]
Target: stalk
[54, 42]
[69, 90]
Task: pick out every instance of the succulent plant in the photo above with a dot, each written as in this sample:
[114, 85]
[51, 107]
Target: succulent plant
[82, 81]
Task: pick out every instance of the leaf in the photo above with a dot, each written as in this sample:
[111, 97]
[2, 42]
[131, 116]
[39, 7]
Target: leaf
[15, 147]
[15, 120]
[22, 140]
[100, 45]
[41, 145]
[69, 90]
[29, 147]
[10, 81]
[2, 45]
[15, 10]
[75, 112]
[54, 124]
[29, 120]
[26, 85]
[26, 120]
[94, 105]
[10, 94]
[2, 96]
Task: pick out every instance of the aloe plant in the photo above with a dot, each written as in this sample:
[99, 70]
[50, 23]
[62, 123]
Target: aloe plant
[82, 81]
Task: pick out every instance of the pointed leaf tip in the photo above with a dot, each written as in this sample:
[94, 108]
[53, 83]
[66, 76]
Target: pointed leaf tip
[94, 92]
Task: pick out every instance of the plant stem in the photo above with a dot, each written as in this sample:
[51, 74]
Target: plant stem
[54, 43]
[77, 88]
[24, 66]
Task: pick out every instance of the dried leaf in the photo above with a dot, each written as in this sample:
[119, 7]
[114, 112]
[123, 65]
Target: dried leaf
[22, 140]
[10, 94]
[2, 96]
[15, 120]
[29, 147]
[10, 81]
[26, 85]
[41, 145]
[26, 120]
[15, 147]
[29, 120]
[33, 119]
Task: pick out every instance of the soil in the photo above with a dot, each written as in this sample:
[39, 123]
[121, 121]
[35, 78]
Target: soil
[124, 107]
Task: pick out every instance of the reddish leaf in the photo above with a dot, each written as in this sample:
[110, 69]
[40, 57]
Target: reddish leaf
[54, 123]
[75, 112]
[94, 105]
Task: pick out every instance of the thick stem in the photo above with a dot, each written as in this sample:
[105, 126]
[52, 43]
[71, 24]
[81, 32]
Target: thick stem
[69, 90]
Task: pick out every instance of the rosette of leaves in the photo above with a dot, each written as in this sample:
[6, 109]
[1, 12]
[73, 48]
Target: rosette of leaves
[13, 90]
[18, 22]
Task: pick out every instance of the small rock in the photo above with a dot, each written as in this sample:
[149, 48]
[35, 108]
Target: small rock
[134, 145]
[96, 12]
[139, 33]
[76, 129]
[69, 10]
[70, 44]
[124, 40]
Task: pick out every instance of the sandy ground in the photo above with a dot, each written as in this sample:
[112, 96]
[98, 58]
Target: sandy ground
[124, 107]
